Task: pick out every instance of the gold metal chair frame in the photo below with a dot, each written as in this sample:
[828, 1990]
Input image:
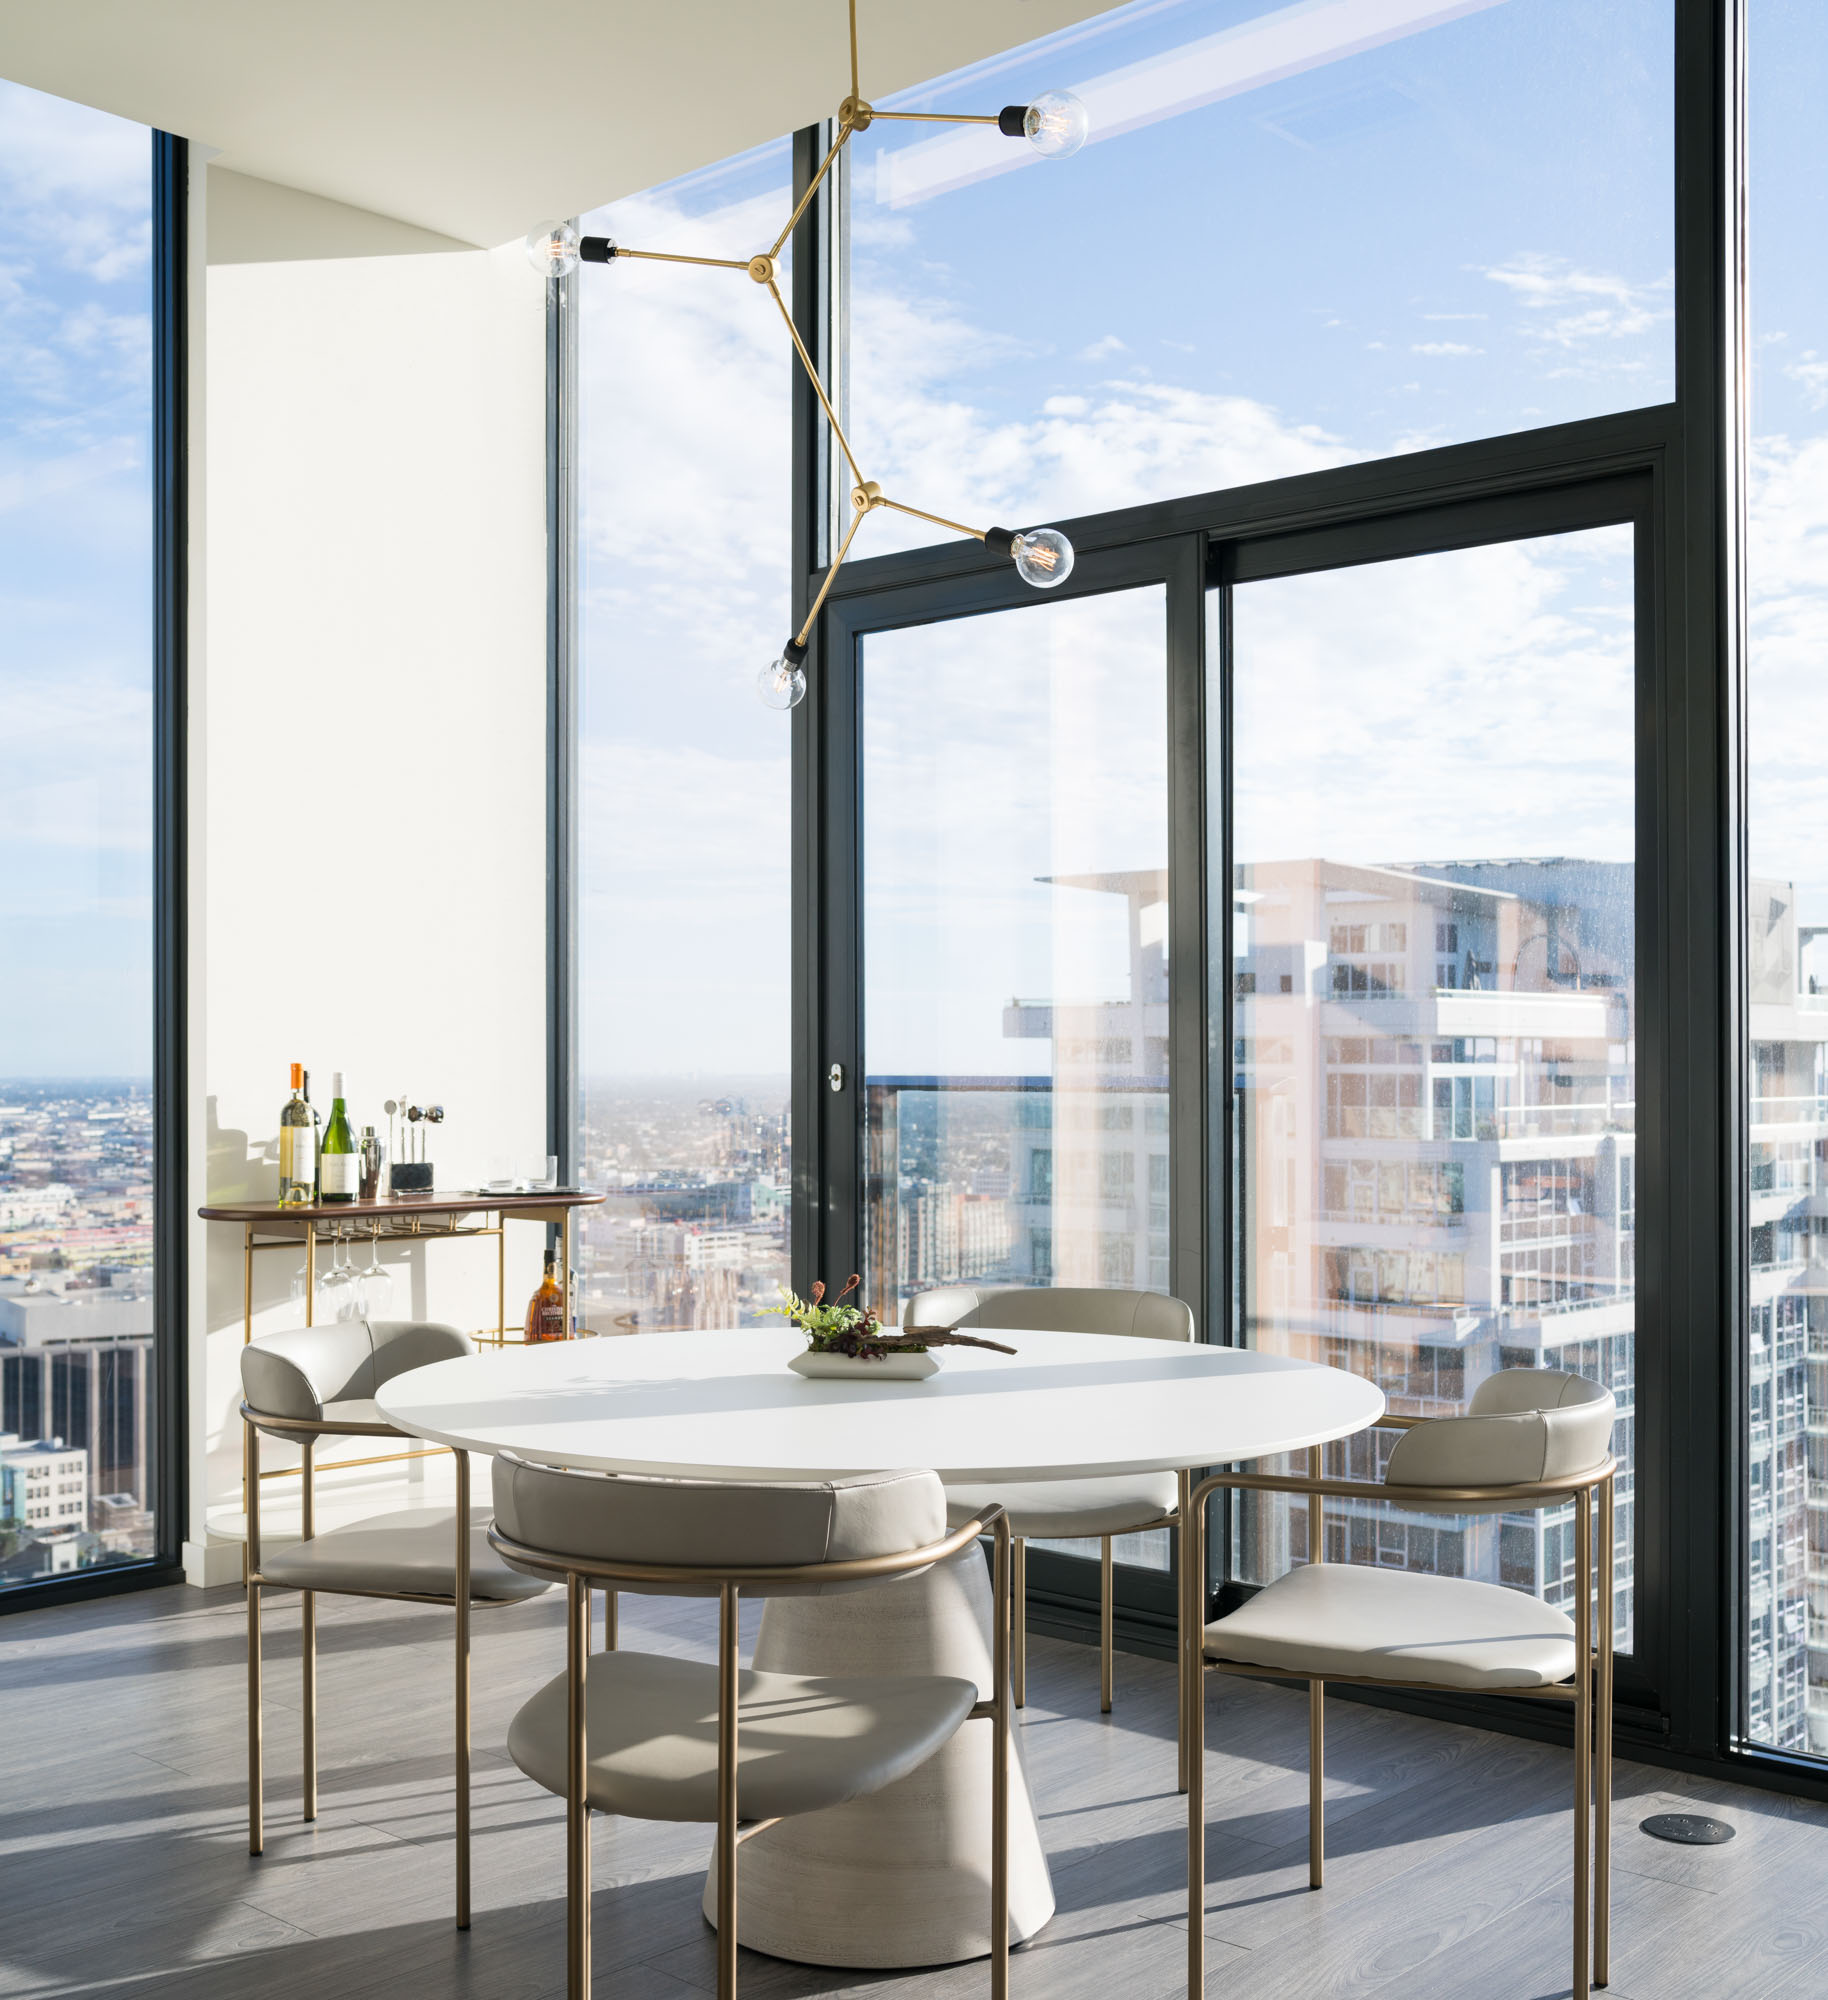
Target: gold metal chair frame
[461, 1603]
[579, 1573]
[1590, 1691]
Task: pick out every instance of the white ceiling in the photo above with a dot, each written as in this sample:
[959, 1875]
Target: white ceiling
[476, 119]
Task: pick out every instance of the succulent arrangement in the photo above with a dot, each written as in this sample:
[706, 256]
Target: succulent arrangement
[832, 1326]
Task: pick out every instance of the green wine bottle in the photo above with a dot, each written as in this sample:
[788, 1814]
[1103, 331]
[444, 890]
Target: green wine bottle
[340, 1163]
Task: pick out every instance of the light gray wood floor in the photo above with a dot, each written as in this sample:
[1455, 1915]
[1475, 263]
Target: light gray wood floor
[124, 1870]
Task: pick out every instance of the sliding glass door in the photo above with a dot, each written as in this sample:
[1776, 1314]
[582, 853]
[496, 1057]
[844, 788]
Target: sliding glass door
[1015, 892]
[997, 1061]
[1431, 912]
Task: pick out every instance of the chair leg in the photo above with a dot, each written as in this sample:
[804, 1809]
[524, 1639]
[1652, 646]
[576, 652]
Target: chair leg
[610, 1633]
[1583, 1743]
[256, 1826]
[307, 1649]
[1602, 1851]
[1193, 1742]
[1317, 1784]
[1018, 1619]
[460, 1600]
[999, 1770]
[1188, 1648]
[728, 1696]
[1105, 1644]
[577, 1793]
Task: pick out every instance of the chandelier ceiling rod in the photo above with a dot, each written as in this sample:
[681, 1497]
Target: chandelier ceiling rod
[1055, 124]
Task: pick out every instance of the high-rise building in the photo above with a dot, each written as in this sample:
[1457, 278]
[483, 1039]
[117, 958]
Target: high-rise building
[76, 1363]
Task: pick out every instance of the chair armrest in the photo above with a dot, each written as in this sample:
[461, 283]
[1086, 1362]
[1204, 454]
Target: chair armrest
[283, 1426]
[1424, 1499]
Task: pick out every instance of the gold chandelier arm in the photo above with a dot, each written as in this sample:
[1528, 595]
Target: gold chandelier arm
[818, 387]
[856, 88]
[936, 117]
[800, 208]
[831, 576]
[938, 520]
[672, 257]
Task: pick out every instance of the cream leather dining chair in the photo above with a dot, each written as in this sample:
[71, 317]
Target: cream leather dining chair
[1532, 1438]
[655, 1737]
[319, 1382]
[1065, 1510]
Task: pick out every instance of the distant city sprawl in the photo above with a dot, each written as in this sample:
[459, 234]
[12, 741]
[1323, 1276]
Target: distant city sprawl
[694, 1233]
[76, 1325]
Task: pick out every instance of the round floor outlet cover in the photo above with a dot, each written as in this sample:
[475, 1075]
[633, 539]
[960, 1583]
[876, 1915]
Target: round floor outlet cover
[1691, 1829]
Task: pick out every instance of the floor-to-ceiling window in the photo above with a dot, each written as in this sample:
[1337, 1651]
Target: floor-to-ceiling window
[1450, 1044]
[79, 1426]
[1786, 1440]
[682, 787]
[1298, 240]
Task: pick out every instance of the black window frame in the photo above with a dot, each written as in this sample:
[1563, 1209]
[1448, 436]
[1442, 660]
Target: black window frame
[1681, 467]
[1684, 464]
[169, 499]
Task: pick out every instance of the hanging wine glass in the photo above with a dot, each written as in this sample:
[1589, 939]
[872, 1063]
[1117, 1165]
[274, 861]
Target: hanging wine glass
[377, 1284]
[337, 1288]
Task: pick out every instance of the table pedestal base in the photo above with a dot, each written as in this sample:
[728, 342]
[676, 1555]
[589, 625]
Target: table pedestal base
[901, 1878]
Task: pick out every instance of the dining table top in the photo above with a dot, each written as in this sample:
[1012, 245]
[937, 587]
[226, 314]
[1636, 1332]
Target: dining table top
[724, 1405]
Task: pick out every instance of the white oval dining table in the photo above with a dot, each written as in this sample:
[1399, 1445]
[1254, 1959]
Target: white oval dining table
[898, 1879]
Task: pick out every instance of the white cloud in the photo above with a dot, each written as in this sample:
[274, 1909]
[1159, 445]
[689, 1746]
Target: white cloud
[1101, 350]
[1568, 307]
[1375, 705]
[1810, 374]
[1385, 697]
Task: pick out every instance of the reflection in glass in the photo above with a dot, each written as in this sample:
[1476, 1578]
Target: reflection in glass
[1786, 1382]
[1015, 951]
[78, 1421]
[1432, 967]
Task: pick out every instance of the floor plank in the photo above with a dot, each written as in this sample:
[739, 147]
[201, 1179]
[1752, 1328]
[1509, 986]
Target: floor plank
[124, 1855]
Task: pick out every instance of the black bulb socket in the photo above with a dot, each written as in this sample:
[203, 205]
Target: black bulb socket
[596, 249]
[793, 652]
[1001, 542]
[1012, 121]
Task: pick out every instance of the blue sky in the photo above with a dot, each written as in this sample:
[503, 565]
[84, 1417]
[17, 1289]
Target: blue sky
[75, 590]
[1462, 231]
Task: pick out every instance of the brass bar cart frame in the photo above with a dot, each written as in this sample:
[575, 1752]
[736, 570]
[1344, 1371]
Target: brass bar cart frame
[1589, 1692]
[580, 1574]
[460, 1602]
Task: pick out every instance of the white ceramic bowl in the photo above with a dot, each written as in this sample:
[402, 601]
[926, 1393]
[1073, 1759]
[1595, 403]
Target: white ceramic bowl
[854, 1368]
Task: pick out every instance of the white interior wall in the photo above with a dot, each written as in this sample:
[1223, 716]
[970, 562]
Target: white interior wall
[368, 785]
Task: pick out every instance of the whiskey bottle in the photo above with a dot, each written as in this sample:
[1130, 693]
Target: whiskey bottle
[546, 1308]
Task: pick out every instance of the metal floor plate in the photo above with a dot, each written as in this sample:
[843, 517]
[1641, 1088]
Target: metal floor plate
[1690, 1829]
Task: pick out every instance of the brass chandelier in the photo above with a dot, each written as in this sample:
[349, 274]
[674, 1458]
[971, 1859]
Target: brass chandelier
[1055, 124]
